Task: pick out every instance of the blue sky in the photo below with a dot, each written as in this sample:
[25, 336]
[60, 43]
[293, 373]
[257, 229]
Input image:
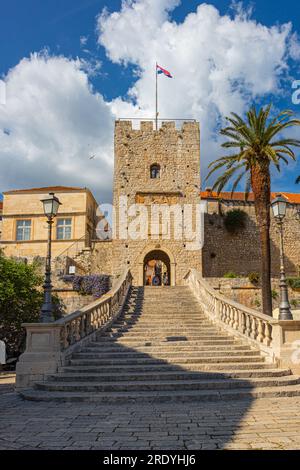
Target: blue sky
[67, 29]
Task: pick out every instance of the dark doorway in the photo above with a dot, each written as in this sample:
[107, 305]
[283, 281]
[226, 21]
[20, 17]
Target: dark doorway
[157, 270]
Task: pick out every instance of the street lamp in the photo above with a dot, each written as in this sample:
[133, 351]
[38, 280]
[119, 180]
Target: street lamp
[279, 205]
[51, 205]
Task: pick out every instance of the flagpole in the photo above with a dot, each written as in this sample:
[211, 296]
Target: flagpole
[156, 98]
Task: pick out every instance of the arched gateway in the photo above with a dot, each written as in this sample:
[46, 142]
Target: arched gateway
[156, 267]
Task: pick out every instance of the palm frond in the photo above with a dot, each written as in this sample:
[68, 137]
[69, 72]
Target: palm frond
[223, 179]
[235, 184]
[247, 186]
[255, 141]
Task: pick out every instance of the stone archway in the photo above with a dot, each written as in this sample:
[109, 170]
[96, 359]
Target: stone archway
[157, 268]
[156, 252]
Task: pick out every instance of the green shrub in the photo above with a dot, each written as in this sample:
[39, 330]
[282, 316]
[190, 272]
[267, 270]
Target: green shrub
[274, 294]
[254, 278]
[293, 282]
[21, 298]
[230, 275]
[235, 220]
[294, 303]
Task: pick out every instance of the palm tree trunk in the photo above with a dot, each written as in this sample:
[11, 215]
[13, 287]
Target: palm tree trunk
[261, 186]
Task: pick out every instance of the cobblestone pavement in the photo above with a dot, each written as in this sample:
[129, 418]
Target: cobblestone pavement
[7, 381]
[244, 424]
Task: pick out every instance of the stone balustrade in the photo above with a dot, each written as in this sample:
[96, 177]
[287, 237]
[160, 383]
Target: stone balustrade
[49, 345]
[276, 339]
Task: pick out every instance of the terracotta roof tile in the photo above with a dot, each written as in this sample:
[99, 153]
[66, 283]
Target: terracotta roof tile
[45, 189]
[293, 198]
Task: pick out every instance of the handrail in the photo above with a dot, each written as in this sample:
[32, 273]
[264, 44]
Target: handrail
[239, 319]
[90, 318]
[70, 246]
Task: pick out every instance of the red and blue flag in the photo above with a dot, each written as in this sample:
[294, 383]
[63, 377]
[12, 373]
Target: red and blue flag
[160, 70]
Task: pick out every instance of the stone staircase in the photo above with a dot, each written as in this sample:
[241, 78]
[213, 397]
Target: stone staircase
[163, 348]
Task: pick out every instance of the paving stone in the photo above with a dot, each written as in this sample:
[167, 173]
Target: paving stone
[229, 431]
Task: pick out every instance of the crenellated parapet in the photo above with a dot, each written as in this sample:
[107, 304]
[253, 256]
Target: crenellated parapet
[149, 126]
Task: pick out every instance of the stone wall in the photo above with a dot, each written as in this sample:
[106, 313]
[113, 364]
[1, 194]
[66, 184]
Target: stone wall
[241, 290]
[101, 257]
[73, 300]
[240, 253]
[177, 152]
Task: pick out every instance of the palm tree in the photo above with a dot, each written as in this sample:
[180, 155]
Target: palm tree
[257, 145]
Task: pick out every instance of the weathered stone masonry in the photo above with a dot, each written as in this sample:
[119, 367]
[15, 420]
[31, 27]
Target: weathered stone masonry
[240, 253]
[177, 154]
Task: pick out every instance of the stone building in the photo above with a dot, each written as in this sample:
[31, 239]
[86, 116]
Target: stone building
[24, 230]
[240, 252]
[1, 210]
[153, 168]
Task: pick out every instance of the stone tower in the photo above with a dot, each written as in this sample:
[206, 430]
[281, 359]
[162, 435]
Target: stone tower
[155, 167]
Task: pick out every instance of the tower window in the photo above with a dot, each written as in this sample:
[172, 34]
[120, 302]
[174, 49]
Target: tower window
[154, 171]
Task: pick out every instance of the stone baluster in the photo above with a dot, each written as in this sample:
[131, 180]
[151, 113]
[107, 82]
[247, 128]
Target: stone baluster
[253, 333]
[236, 319]
[268, 334]
[248, 325]
[260, 331]
[242, 322]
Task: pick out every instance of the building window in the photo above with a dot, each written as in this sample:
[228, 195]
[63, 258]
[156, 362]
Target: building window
[23, 229]
[64, 229]
[154, 171]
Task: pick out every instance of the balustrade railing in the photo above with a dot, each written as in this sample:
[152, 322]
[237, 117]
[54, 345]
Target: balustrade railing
[85, 321]
[236, 317]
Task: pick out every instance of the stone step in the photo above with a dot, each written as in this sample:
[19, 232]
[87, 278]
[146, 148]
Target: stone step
[124, 339]
[162, 354]
[120, 344]
[169, 367]
[157, 318]
[163, 396]
[164, 348]
[179, 361]
[167, 347]
[145, 330]
[71, 374]
[170, 310]
[152, 334]
[199, 384]
[149, 324]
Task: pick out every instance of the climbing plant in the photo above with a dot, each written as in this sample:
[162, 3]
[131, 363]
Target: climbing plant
[235, 220]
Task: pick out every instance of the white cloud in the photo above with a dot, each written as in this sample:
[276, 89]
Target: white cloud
[51, 123]
[53, 120]
[83, 40]
[220, 63]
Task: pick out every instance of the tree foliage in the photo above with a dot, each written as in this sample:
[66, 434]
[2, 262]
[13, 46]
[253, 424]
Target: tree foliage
[256, 144]
[235, 220]
[254, 141]
[21, 297]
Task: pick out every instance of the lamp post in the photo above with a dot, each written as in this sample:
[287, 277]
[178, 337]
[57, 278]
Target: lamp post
[279, 205]
[51, 205]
